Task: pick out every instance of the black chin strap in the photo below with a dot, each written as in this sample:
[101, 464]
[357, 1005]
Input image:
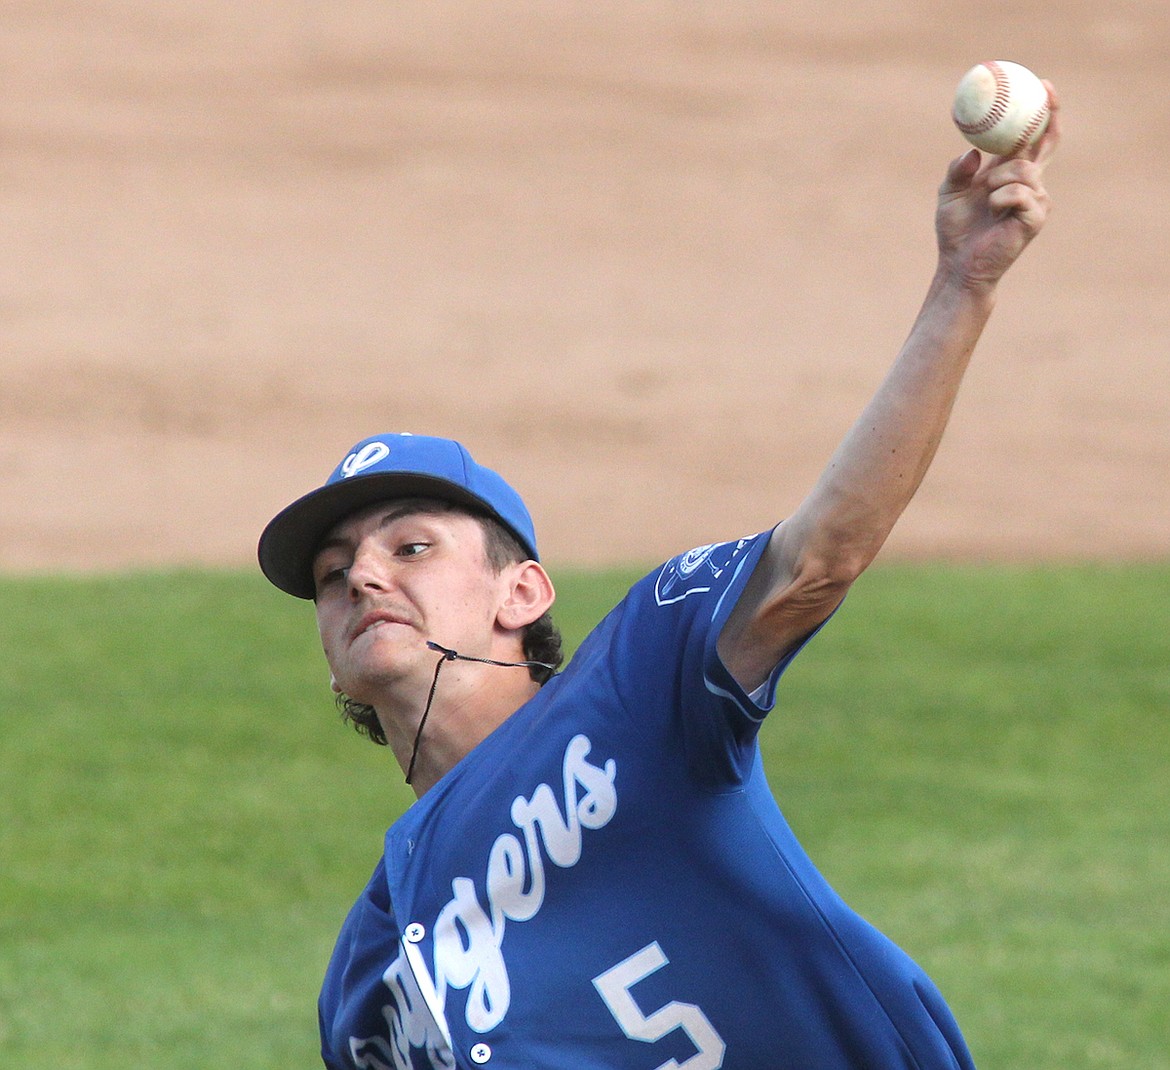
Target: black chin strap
[452, 655]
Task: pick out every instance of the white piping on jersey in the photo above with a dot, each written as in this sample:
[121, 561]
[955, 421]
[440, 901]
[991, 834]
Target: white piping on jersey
[426, 988]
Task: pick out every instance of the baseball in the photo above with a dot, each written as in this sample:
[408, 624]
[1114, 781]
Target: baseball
[1001, 107]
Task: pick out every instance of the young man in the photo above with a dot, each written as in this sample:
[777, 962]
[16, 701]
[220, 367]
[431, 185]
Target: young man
[596, 874]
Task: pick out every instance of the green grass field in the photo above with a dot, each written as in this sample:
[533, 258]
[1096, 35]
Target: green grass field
[977, 757]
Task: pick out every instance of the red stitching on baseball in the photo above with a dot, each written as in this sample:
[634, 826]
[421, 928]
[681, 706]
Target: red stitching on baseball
[1029, 132]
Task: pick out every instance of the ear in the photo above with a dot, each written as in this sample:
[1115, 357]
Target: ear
[334, 685]
[529, 596]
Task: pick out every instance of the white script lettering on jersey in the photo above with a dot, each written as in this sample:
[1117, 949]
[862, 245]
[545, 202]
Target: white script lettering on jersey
[468, 942]
[410, 1023]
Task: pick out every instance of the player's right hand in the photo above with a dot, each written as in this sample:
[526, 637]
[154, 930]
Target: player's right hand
[991, 207]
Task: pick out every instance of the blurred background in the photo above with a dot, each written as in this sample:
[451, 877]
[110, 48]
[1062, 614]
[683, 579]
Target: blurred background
[649, 259]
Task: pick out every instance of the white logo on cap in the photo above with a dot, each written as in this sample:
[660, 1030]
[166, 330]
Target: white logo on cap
[370, 454]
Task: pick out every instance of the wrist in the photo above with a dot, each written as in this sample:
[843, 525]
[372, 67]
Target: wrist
[951, 282]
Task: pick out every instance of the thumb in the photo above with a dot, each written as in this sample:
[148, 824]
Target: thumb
[960, 173]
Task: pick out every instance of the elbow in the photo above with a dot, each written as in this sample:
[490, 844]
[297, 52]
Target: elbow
[816, 587]
[825, 579]
[836, 556]
[811, 578]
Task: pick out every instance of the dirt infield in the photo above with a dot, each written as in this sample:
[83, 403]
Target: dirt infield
[648, 259]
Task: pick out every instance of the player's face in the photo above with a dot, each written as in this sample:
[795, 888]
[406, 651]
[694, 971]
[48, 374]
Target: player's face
[393, 576]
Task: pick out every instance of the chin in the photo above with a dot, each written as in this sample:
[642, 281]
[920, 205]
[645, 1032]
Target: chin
[372, 685]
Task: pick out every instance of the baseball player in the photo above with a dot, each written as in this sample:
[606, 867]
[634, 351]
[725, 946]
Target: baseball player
[596, 873]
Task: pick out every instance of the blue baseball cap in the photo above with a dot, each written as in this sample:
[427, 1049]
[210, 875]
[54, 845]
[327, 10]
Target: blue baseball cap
[379, 469]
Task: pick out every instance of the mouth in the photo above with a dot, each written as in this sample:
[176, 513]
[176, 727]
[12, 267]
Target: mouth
[376, 620]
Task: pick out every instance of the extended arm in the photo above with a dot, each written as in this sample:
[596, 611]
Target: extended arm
[989, 209]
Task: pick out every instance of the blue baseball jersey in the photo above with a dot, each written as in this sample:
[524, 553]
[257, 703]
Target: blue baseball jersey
[607, 882]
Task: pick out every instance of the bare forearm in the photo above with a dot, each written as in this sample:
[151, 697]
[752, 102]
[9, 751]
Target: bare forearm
[879, 465]
[837, 530]
[988, 211]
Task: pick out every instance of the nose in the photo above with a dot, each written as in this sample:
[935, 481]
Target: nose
[367, 572]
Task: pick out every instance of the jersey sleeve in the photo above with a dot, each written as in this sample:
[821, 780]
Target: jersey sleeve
[667, 667]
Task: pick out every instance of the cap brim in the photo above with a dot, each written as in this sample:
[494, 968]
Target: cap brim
[289, 542]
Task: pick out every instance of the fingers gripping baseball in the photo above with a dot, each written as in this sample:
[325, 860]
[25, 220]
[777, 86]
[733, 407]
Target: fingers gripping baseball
[1017, 191]
[991, 207]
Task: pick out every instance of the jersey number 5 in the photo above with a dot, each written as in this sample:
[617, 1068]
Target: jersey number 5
[614, 987]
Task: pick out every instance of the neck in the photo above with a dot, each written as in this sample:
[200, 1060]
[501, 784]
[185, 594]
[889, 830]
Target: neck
[465, 703]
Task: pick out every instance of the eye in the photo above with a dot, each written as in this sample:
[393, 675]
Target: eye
[330, 575]
[413, 549]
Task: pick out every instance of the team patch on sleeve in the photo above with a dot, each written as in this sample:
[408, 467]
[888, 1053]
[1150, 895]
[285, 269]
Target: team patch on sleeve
[697, 571]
